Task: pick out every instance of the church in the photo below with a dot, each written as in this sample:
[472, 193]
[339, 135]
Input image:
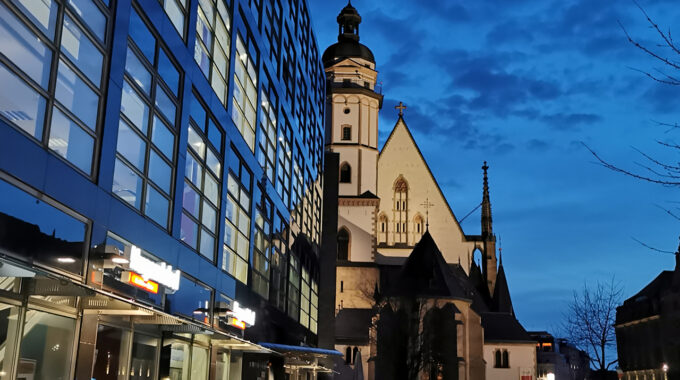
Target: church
[416, 297]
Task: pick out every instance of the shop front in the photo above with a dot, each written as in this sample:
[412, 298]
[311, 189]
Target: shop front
[52, 327]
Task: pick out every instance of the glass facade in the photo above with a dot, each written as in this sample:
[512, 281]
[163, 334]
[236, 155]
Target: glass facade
[154, 154]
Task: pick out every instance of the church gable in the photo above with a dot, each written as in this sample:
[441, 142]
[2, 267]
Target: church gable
[410, 196]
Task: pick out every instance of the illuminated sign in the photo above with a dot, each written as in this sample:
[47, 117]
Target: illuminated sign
[137, 280]
[242, 314]
[236, 323]
[150, 270]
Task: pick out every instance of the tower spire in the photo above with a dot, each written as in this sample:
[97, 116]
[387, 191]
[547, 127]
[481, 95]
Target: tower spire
[487, 224]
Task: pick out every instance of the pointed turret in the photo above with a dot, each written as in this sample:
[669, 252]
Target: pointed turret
[501, 301]
[488, 238]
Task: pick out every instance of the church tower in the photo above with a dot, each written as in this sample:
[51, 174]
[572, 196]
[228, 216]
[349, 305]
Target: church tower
[352, 106]
[488, 238]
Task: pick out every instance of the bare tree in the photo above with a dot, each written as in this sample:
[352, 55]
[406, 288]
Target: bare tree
[589, 322]
[666, 53]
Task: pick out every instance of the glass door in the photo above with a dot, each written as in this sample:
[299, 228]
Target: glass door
[9, 330]
[111, 353]
[143, 362]
[222, 363]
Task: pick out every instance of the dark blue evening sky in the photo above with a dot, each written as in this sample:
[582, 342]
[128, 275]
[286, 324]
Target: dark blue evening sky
[521, 84]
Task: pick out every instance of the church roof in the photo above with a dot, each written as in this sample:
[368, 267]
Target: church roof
[501, 301]
[427, 167]
[503, 327]
[425, 273]
[478, 282]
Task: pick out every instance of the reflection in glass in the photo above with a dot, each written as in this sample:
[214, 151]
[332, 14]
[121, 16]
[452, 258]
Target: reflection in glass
[142, 36]
[159, 171]
[23, 106]
[91, 15]
[188, 231]
[143, 362]
[222, 365]
[190, 200]
[71, 141]
[24, 48]
[42, 13]
[162, 138]
[190, 297]
[156, 206]
[127, 184]
[168, 72]
[132, 106]
[9, 317]
[75, 95]
[46, 347]
[36, 230]
[111, 352]
[131, 146]
[164, 104]
[176, 354]
[137, 71]
[81, 51]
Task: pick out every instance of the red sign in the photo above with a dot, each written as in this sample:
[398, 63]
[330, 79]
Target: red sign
[138, 281]
[239, 324]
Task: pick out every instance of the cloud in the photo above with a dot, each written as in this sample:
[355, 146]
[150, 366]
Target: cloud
[538, 145]
[570, 121]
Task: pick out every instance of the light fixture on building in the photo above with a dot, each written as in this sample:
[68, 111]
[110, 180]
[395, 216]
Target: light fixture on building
[66, 260]
[120, 260]
[664, 367]
[550, 376]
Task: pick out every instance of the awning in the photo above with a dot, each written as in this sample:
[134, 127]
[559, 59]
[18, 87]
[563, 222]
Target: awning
[303, 357]
[284, 348]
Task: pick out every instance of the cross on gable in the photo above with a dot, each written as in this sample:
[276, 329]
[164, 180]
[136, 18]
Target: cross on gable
[401, 107]
[427, 204]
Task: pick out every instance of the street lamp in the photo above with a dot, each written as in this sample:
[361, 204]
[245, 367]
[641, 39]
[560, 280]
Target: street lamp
[550, 376]
[664, 368]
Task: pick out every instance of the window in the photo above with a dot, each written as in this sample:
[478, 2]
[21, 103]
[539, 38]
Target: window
[262, 252]
[501, 359]
[35, 55]
[43, 332]
[283, 172]
[193, 300]
[382, 236]
[34, 228]
[348, 355]
[343, 244]
[237, 226]
[145, 152]
[419, 226]
[294, 287]
[245, 91]
[266, 154]
[177, 12]
[212, 48]
[345, 173]
[202, 179]
[279, 263]
[400, 209]
[304, 297]
[346, 132]
[314, 308]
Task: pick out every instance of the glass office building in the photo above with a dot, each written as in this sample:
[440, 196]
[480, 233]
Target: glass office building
[160, 188]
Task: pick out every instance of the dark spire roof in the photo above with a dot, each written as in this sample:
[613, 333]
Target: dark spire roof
[348, 45]
[487, 224]
[501, 301]
[425, 273]
[477, 280]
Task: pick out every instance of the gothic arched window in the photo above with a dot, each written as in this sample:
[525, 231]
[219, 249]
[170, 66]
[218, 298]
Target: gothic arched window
[345, 173]
[348, 355]
[354, 355]
[400, 209]
[498, 362]
[382, 228]
[506, 359]
[343, 244]
[418, 225]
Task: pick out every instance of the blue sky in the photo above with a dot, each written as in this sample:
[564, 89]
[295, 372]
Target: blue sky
[522, 84]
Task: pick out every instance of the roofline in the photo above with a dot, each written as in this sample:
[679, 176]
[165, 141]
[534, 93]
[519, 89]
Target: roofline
[427, 166]
[510, 341]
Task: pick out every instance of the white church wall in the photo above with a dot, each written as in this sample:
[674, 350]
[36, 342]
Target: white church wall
[354, 287]
[400, 157]
[522, 361]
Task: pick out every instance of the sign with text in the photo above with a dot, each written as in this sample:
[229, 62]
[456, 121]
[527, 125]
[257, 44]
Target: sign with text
[151, 270]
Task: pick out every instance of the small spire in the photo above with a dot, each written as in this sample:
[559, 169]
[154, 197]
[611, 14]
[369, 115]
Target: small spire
[500, 252]
[487, 224]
